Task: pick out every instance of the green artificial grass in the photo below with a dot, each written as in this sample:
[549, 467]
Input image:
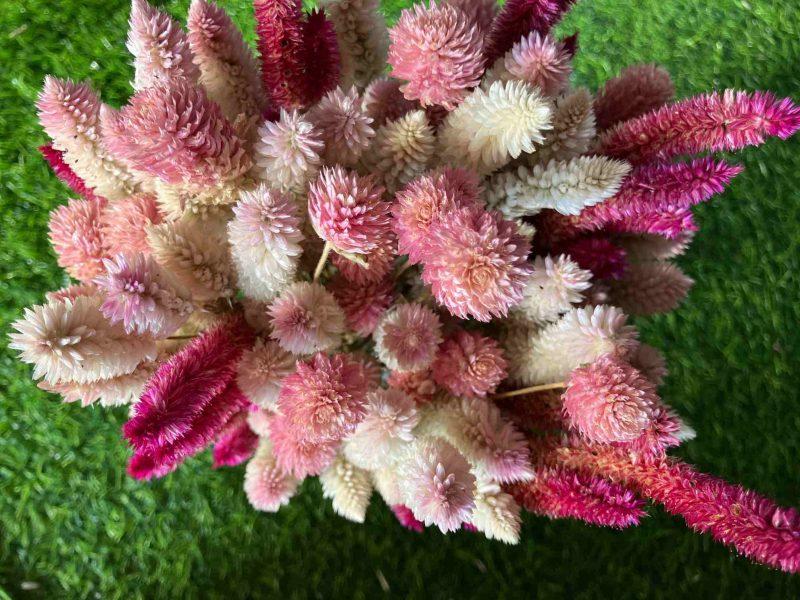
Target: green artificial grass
[73, 525]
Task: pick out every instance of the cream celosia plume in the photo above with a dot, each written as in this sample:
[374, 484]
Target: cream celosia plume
[496, 513]
[348, 487]
[573, 129]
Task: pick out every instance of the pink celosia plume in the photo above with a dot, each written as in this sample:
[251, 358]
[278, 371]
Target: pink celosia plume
[236, 443]
[124, 224]
[469, 364]
[77, 237]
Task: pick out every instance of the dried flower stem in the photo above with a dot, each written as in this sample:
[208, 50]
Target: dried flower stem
[322, 260]
[531, 390]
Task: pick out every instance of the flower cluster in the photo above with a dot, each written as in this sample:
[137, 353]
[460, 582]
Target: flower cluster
[319, 270]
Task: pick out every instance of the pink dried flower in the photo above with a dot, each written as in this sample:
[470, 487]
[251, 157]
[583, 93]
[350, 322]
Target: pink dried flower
[348, 211]
[540, 61]
[379, 263]
[609, 401]
[437, 50]
[325, 398]
[296, 456]
[599, 255]
[363, 305]
[666, 430]
[637, 90]
[343, 125]
[305, 318]
[268, 486]
[124, 224]
[174, 132]
[476, 264]
[76, 235]
[517, 19]
[299, 57]
[261, 371]
[419, 385]
[55, 158]
[469, 364]
[559, 493]
[672, 223]
[258, 419]
[114, 391]
[71, 292]
[236, 443]
[408, 337]
[159, 46]
[705, 123]
[383, 101]
[186, 384]
[142, 296]
[406, 517]
[480, 12]
[439, 485]
[425, 202]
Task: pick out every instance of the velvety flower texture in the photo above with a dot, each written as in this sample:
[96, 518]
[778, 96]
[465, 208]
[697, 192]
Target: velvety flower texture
[236, 442]
[476, 264]
[124, 224]
[609, 401]
[554, 287]
[637, 90]
[406, 518]
[418, 385]
[363, 305]
[408, 337]
[261, 371]
[77, 238]
[348, 211]
[325, 398]
[142, 296]
[305, 318]
[437, 50]
[379, 263]
[469, 364]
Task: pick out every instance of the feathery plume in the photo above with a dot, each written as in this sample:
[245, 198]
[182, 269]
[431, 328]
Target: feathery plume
[637, 90]
[537, 59]
[236, 443]
[555, 285]
[496, 513]
[172, 131]
[70, 114]
[258, 419]
[407, 338]
[573, 129]
[598, 254]
[343, 125]
[348, 487]
[77, 237]
[71, 341]
[567, 187]
[560, 493]
[384, 432]
[384, 101]
[265, 237]
[261, 371]
[159, 47]
[401, 150]
[671, 222]
[476, 264]
[287, 152]
[490, 127]
[297, 456]
[142, 296]
[305, 318]
[71, 292]
[363, 305]
[124, 224]
[114, 391]
[640, 248]
[406, 518]
[650, 288]
[228, 70]
[55, 158]
[469, 364]
[439, 487]
[268, 487]
[706, 123]
[436, 49]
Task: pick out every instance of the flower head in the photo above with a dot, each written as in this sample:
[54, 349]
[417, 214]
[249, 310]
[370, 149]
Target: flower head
[124, 224]
[305, 318]
[469, 364]
[77, 237]
[379, 263]
[384, 101]
[554, 287]
[268, 486]
[343, 125]
[540, 61]
[418, 385]
[363, 305]
[296, 456]
[261, 371]
[407, 337]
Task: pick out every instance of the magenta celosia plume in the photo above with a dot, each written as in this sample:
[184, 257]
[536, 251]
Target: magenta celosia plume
[55, 158]
[406, 518]
[236, 443]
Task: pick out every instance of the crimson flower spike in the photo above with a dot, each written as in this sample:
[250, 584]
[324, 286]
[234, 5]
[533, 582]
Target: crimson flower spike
[236, 442]
[706, 123]
[55, 158]
[754, 525]
[299, 55]
[517, 19]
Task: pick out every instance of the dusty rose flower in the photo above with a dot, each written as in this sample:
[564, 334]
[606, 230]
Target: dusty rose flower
[469, 364]
[268, 486]
[379, 263]
[77, 238]
[363, 305]
[299, 457]
[419, 385]
[540, 61]
[124, 222]
[407, 337]
[343, 125]
[261, 371]
[305, 318]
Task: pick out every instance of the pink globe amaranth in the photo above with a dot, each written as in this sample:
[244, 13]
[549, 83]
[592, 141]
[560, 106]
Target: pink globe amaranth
[609, 401]
[408, 337]
[476, 264]
[305, 318]
[297, 456]
[363, 305]
[418, 385]
[379, 264]
[77, 237]
[469, 364]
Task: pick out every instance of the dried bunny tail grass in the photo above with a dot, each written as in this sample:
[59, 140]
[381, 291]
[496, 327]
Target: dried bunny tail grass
[637, 90]
[650, 288]
[287, 152]
[343, 125]
[348, 487]
[566, 187]
[363, 39]
[70, 114]
[402, 150]
[555, 286]
[490, 127]
[159, 47]
[71, 341]
[573, 129]
[197, 260]
[228, 70]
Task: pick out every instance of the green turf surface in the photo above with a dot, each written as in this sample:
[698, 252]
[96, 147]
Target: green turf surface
[73, 525]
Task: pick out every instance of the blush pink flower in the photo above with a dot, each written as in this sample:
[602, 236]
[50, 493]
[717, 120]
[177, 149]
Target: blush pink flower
[77, 238]
[540, 61]
[437, 50]
[297, 456]
[268, 486]
[325, 398]
[261, 371]
[476, 264]
[408, 337]
[124, 223]
[469, 364]
[609, 401]
[348, 211]
[418, 385]
[343, 125]
[305, 318]
[363, 305]
[379, 263]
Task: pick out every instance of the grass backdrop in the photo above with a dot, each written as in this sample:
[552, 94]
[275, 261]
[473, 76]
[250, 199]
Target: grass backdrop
[73, 525]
